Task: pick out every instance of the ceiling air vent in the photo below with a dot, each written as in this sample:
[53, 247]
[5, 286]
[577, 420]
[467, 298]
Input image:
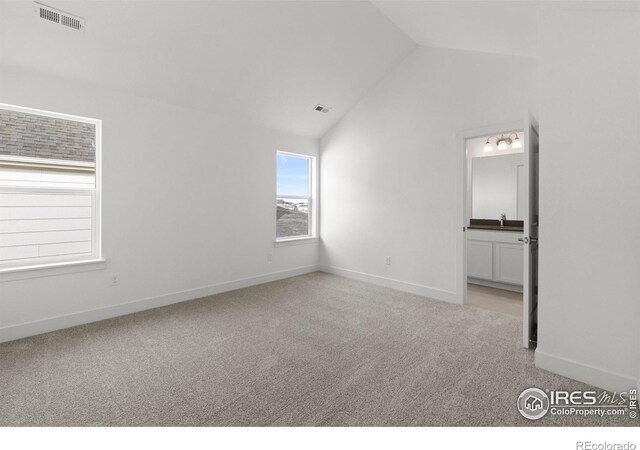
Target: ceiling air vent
[321, 108]
[60, 17]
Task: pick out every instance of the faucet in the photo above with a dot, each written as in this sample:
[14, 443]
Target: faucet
[503, 218]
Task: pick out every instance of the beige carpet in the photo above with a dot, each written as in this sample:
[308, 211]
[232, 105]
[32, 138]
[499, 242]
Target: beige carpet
[311, 350]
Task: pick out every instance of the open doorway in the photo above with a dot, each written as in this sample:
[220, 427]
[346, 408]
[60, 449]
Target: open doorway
[495, 218]
[500, 222]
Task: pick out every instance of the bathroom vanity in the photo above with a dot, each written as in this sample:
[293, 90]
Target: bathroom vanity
[494, 254]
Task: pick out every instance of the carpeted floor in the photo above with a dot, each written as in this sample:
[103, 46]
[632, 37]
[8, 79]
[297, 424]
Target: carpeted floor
[311, 350]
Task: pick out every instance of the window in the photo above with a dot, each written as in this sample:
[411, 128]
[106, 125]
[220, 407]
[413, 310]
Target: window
[294, 203]
[49, 188]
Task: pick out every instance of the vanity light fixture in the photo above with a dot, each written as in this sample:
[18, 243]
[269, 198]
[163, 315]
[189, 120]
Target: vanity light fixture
[503, 142]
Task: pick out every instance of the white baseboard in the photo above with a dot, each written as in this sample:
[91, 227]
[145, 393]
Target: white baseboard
[594, 376]
[426, 291]
[23, 330]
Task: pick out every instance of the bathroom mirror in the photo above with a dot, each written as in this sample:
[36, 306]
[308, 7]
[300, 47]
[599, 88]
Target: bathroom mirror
[496, 186]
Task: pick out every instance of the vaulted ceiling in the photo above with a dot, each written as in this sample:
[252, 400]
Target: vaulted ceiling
[486, 26]
[505, 27]
[268, 62]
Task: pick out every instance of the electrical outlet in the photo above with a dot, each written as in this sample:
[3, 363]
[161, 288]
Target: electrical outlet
[387, 260]
[269, 257]
[115, 279]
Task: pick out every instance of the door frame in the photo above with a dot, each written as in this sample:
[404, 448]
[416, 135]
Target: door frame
[531, 232]
[461, 223]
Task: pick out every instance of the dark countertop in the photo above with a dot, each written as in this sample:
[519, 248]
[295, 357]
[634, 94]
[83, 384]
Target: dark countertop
[494, 225]
[495, 228]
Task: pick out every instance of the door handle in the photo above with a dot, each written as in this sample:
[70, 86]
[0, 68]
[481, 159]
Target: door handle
[524, 239]
[528, 240]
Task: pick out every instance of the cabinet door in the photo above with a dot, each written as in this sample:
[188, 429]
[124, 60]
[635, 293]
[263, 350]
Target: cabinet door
[480, 259]
[508, 263]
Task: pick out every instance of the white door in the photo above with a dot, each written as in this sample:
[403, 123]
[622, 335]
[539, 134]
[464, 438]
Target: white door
[530, 239]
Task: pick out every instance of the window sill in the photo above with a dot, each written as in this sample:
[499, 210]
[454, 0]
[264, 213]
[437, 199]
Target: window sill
[46, 270]
[295, 241]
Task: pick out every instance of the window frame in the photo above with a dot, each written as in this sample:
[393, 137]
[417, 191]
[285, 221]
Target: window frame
[312, 234]
[70, 263]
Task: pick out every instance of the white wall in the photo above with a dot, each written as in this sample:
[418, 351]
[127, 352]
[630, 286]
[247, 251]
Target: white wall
[389, 169]
[589, 305]
[188, 200]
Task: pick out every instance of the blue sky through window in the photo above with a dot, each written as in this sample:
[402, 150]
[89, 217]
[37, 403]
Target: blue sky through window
[292, 175]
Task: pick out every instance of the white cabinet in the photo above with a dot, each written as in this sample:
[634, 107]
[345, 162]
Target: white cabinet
[495, 256]
[508, 263]
[480, 259]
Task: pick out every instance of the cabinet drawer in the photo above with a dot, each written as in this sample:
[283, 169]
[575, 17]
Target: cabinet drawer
[508, 237]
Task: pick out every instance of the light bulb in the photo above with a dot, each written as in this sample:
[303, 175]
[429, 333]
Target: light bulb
[517, 143]
[502, 144]
[488, 147]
